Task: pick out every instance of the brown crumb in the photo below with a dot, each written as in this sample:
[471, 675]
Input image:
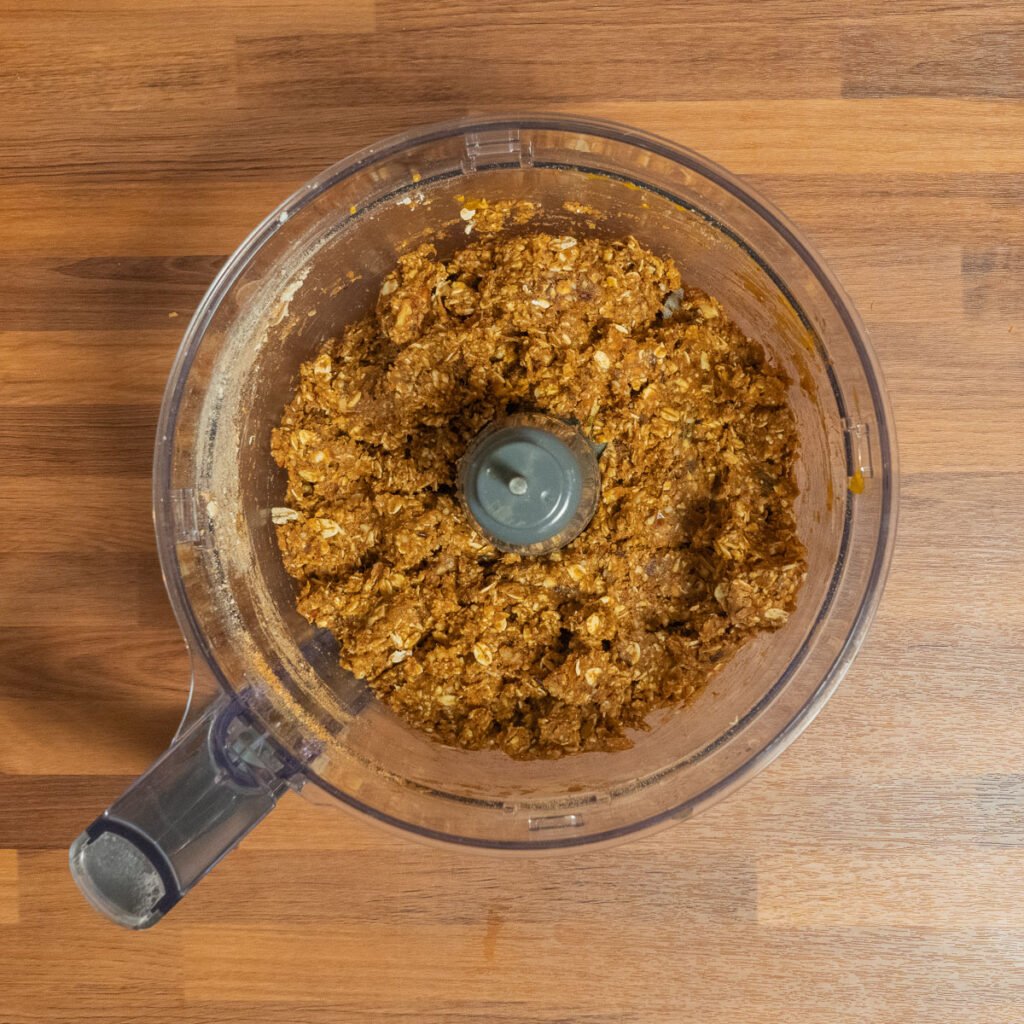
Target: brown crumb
[693, 548]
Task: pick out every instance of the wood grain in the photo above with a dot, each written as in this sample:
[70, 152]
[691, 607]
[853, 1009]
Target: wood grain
[874, 874]
[8, 887]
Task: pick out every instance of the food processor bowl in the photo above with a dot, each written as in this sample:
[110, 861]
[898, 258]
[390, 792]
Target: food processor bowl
[272, 709]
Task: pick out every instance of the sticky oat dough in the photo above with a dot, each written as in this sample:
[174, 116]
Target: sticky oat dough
[693, 548]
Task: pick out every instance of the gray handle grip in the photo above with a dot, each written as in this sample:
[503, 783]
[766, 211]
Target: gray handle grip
[218, 779]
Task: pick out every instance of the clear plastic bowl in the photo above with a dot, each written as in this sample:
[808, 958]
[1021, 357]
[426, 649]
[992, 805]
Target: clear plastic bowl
[316, 263]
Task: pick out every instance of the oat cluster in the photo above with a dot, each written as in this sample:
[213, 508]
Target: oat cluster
[693, 548]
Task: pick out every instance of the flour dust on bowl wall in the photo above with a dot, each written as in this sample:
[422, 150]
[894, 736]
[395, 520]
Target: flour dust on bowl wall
[523, 484]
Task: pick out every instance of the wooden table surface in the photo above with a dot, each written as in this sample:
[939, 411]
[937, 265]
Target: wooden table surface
[875, 873]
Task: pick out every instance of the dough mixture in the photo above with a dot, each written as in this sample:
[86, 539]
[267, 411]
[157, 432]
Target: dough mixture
[693, 548]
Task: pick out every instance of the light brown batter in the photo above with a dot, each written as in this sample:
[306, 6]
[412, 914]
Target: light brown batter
[693, 548]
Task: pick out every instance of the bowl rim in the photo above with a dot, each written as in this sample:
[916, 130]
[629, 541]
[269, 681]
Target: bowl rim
[887, 475]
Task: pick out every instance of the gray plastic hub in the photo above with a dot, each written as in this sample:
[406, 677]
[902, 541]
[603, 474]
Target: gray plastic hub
[530, 483]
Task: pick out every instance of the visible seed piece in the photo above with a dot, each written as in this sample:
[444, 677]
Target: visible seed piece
[280, 516]
[602, 360]
[328, 528]
[483, 654]
[594, 624]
